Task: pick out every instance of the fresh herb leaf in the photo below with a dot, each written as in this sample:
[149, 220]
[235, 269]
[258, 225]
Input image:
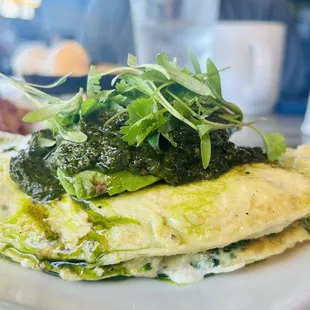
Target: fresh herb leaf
[156, 68]
[153, 141]
[203, 129]
[187, 70]
[171, 124]
[89, 106]
[123, 87]
[205, 144]
[195, 62]
[139, 109]
[58, 82]
[45, 142]
[93, 104]
[144, 119]
[65, 132]
[214, 77]
[181, 106]
[137, 82]
[28, 91]
[120, 100]
[72, 134]
[93, 82]
[182, 78]
[131, 60]
[275, 144]
[94, 77]
[154, 76]
[115, 116]
[116, 107]
[51, 110]
[106, 95]
[164, 102]
[168, 137]
[66, 181]
[44, 113]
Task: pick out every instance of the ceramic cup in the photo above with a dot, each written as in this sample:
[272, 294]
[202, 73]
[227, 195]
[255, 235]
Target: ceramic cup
[254, 51]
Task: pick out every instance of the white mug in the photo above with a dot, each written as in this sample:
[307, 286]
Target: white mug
[254, 50]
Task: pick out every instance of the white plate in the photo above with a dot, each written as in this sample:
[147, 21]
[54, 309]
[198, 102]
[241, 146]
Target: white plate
[281, 283]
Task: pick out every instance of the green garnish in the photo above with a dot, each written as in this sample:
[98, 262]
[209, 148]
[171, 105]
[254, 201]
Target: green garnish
[60, 113]
[91, 184]
[275, 144]
[144, 118]
[155, 97]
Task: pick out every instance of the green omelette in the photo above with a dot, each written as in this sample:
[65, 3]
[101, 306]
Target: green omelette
[142, 180]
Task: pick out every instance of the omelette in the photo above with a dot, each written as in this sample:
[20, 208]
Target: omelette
[179, 233]
[142, 180]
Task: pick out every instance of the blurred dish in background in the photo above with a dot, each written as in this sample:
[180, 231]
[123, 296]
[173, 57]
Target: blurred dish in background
[254, 50]
[65, 57]
[38, 64]
[60, 59]
[29, 58]
[11, 118]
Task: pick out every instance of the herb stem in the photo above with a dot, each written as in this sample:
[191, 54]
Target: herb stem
[112, 118]
[162, 100]
[182, 103]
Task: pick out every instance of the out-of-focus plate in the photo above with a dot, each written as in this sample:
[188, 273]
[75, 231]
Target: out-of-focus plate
[280, 283]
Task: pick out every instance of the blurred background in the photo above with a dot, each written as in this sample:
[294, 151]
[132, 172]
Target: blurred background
[41, 38]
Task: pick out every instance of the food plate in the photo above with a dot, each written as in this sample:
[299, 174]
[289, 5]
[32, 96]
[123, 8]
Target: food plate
[281, 282]
[93, 211]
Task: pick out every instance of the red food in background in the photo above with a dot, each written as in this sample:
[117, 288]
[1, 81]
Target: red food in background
[11, 118]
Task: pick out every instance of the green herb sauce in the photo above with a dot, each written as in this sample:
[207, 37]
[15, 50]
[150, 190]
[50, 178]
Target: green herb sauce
[35, 168]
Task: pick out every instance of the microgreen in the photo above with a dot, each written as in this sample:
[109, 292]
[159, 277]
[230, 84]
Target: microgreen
[195, 62]
[156, 98]
[51, 109]
[205, 144]
[144, 119]
[53, 85]
[214, 78]
[275, 144]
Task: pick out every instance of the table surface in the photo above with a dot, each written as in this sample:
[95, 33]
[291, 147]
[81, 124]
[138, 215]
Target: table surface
[289, 126]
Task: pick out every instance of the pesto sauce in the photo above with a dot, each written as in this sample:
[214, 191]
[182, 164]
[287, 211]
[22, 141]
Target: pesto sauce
[31, 172]
[34, 169]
